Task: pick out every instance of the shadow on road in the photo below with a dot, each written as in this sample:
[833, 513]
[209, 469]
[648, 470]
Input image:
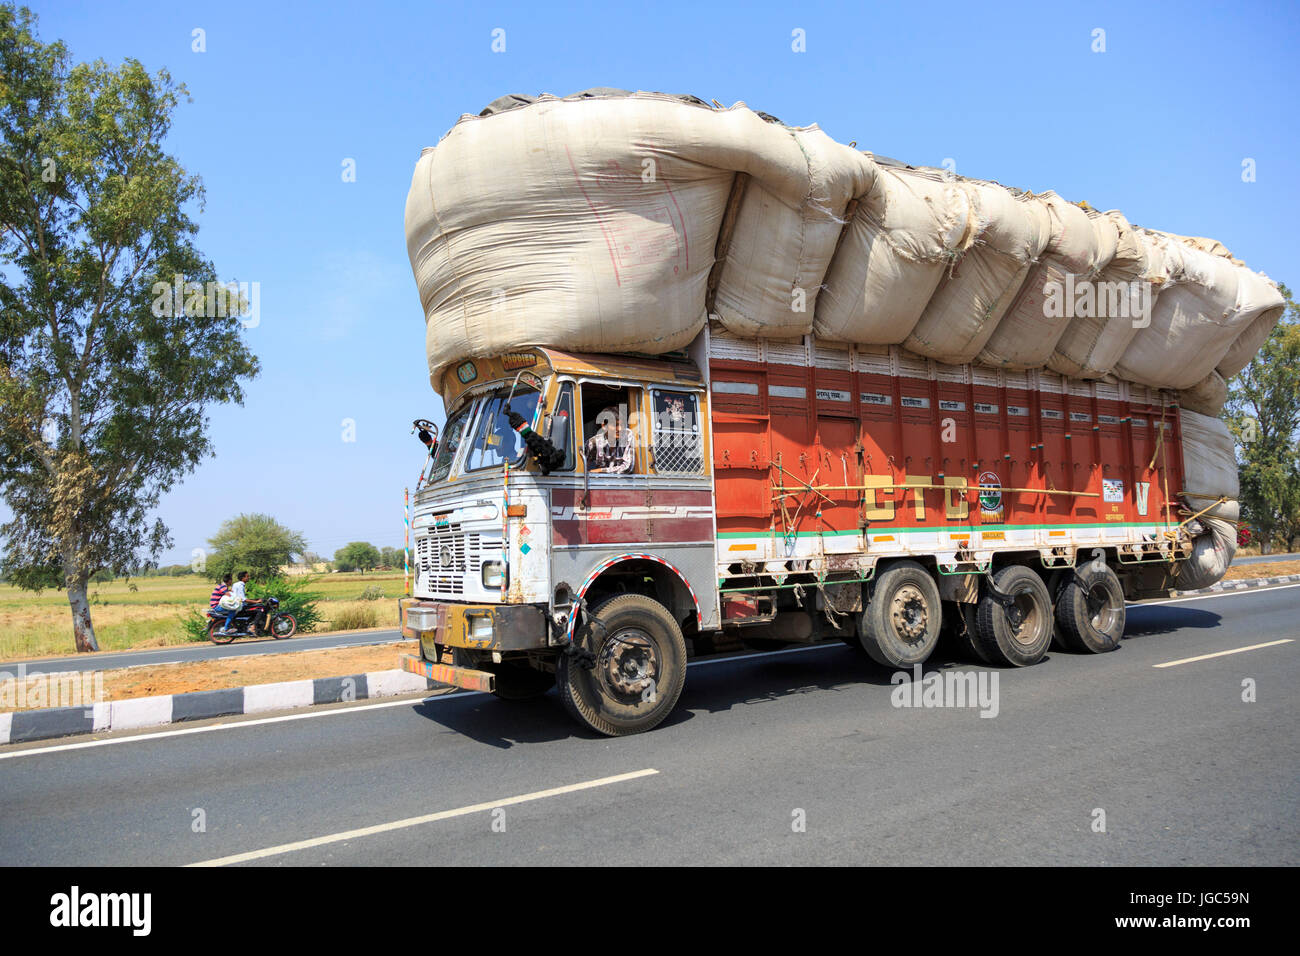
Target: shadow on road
[1165, 619]
[716, 685]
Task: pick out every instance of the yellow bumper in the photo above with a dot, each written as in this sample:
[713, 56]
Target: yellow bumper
[445, 674]
[480, 627]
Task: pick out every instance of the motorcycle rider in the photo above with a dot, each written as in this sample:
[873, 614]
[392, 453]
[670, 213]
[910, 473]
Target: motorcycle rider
[238, 591]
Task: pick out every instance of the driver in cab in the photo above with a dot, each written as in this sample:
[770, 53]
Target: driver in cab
[612, 450]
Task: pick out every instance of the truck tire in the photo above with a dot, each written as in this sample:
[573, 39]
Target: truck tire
[630, 667]
[900, 625]
[519, 682]
[1020, 636]
[1055, 580]
[966, 626]
[1090, 610]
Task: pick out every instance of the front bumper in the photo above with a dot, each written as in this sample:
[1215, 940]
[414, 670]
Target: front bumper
[445, 674]
[480, 627]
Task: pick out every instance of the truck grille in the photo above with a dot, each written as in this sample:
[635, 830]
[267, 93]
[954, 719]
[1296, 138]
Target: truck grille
[447, 557]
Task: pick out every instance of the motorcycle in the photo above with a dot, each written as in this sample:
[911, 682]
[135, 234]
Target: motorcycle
[258, 619]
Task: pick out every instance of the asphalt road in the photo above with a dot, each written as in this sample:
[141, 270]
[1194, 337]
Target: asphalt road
[198, 652]
[1266, 558]
[1185, 771]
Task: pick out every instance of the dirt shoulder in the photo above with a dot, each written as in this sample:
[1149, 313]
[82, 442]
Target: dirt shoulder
[180, 678]
[1265, 569]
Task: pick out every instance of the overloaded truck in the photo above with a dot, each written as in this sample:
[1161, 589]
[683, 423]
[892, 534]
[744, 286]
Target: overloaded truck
[711, 378]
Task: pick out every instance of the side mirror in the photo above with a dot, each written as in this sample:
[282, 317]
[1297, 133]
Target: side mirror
[558, 437]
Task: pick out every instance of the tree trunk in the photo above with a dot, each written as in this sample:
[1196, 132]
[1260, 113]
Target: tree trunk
[82, 629]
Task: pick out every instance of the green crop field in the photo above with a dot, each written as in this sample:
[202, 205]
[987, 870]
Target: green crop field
[147, 611]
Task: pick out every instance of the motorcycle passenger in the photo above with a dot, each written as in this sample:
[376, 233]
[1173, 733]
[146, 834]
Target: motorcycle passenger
[237, 591]
[219, 591]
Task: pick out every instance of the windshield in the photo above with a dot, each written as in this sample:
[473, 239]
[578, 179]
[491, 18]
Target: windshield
[452, 433]
[495, 442]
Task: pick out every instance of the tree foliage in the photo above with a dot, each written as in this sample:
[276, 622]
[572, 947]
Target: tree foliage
[1263, 414]
[357, 556]
[103, 395]
[255, 543]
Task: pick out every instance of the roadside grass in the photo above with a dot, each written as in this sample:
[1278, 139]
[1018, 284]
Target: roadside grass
[33, 625]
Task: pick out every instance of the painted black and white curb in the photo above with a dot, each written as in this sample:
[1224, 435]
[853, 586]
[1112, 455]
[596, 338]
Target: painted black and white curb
[1246, 585]
[25, 725]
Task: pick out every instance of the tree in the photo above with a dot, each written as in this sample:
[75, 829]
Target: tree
[357, 555]
[392, 557]
[255, 543]
[104, 386]
[1263, 414]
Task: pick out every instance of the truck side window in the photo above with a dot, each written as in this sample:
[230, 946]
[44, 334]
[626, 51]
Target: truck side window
[678, 440]
[610, 430]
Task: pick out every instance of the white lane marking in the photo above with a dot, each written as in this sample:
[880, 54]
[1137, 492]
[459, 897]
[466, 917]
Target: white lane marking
[1235, 650]
[1210, 597]
[234, 725]
[417, 821]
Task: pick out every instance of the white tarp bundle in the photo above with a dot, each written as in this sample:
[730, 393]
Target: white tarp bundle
[1080, 246]
[1097, 336]
[595, 222]
[1209, 473]
[973, 295]
[906, 232]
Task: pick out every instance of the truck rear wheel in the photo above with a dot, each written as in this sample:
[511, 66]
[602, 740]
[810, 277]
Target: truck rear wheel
[966, 626]
[1090, 610]
[1015, 626]
[900, 626]
[628, 669]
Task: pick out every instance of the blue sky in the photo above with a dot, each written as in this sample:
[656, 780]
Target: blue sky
[1158, 126]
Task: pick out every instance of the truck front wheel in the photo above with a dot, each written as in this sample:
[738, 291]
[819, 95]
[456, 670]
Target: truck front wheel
[626, 668]
[900, 626]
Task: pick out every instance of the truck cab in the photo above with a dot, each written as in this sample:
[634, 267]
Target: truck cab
[512, 555]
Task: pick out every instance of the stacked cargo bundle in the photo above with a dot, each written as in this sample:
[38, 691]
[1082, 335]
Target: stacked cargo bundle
[619, 222]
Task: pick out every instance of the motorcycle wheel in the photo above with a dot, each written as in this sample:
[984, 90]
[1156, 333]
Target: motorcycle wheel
[283, 626]
[215, 637]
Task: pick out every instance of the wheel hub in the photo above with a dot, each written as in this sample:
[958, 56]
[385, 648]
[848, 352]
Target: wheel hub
[1022, 615]
[908, 613]
[1100, 612]
[628, 663]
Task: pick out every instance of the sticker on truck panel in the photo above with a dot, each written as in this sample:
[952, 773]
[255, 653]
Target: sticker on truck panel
[512, 361]
[990, 493]
[1112, 490]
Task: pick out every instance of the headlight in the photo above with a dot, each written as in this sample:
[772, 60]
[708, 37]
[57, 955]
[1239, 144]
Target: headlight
[494, 574]
[480, 627]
